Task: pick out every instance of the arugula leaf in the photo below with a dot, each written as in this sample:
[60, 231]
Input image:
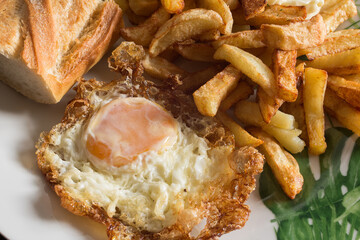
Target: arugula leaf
[321, 210]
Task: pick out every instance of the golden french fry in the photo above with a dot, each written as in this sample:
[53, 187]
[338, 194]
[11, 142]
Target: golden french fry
[299, 72]
[239, 17]
[223, 9]
[297, 110]
[253, 7]
[347, 90]
[249, 113]
[195, 80]
[268, 105]
[242, 137]
[283, 165]
[266, 56]
[242, 91]
[244, 39]
[279, 15]
[184, 26]
[313, 97]
[209, 36]
[202, 52]
[123, 4]
[335, 42]
[209, 96]
[353, 77]
[337, 12]
[342, 111]
[250, 65]
[343, 63]
[233, 4]
[296, 35]
[289, 139]
[143, 7]
[284, 63]
[162, 69]
[144, 33]
[173, 6]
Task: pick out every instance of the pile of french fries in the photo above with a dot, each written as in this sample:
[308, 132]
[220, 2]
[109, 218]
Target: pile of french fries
[270, 66]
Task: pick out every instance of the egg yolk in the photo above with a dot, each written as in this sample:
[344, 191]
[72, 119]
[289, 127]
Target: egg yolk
[127, 127]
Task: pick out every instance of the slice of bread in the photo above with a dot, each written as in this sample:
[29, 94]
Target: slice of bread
[46, 45]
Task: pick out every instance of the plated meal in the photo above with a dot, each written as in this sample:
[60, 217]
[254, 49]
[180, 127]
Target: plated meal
[168, 152]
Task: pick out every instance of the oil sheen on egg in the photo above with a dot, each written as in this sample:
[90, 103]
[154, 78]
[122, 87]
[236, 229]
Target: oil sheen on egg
[312, 6]
[137, 162]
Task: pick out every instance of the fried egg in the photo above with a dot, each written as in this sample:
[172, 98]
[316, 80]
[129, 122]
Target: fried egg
[144, 162]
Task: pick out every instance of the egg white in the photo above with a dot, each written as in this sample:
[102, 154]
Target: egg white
[151, 192]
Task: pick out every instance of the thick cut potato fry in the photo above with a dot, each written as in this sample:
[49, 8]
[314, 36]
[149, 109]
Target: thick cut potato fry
[313, 97]
[284, 63]
[299, 72]
[184, 26]
[249, 113]
[342, 111]
[343, 63]
[279, 15]
[242, 137]
[223, 9]
[162, 69]
[145, 32]
[209, 96]
[202, 52]
[335, 42]
[296, 35]
[253, 7]
[353, 77]
[233, 4]
[337, 13]
[250, 65]
[268, 105]
[209, 36]
[143, 7]
[283, 165]
[195, 80]
[244, 39]
[289, 139]
[297, 110]
[242, 91]
[173, 6]
[347, 90]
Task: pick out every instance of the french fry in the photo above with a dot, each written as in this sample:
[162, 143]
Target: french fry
[244, 39]
[202, 52]
[242, 91]
[209, 96]
[238, 16]
[284, 71]
[162, 69]
[123, 4]
[335, 42]
[250, 65]
[145, 32]
[313, 97]
[299, 72]
[184, 26]
[242, 137]
[343, 63]
[353, 77]
[347, 90]
[233, 4]
[266, 56]
[249, 113]
[223, 9]
[283, 165]
[253, 7]
[195, 80]
[288, 138]
[296, 35]
[342, 111]
[209, 36]
[173, 6]
[143, 7]
[337, 12]
[279, 15]
[268, 105]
